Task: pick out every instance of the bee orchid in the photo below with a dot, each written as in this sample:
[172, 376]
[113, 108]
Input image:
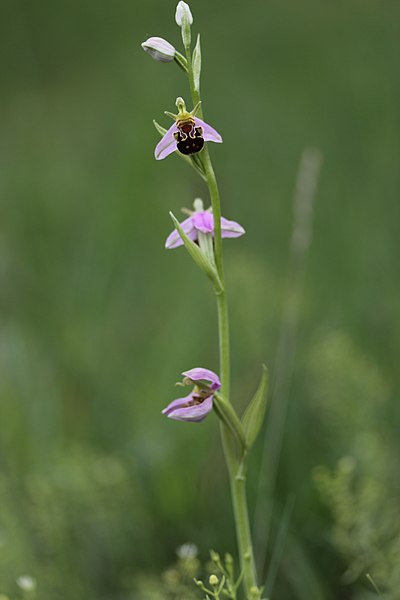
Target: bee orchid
[203, 222]
[187, 134]
[196, 406]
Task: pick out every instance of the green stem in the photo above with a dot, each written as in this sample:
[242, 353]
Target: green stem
[222, 303]
[223, 320]
[238, 490]
[236, 468]
[181, 61]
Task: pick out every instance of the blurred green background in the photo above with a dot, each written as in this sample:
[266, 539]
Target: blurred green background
[97, 489]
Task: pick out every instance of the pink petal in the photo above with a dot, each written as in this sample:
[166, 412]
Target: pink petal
[167, 144]
[178, 403]
[174, 239]
[194, 413]
[203, 221]
[199, 373]
[209, 133]
[231, 229]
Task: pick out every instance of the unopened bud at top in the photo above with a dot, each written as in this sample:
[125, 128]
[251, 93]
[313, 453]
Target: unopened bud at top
[183, 14]
[159, 49]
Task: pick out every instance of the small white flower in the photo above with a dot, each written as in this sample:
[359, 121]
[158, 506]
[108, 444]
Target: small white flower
[187, 551]
[183, 13]
[159, 49]
[26, 583]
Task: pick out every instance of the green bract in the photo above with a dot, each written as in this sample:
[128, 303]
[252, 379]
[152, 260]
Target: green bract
[255, 412]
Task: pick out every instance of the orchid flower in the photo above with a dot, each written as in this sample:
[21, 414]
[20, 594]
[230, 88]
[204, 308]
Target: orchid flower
[187, 134]
[196, 406]
[203, 222]
[159, 49]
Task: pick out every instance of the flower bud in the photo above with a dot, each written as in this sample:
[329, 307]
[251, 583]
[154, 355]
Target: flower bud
[159, 49]
[213, 580]
[255, 593]
[183, 13]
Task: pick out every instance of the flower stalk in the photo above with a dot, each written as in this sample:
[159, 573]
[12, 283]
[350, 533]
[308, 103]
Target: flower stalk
[236, 468]
[223, 319]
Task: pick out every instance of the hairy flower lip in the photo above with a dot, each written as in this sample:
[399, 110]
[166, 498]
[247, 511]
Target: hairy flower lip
[203, 222]
[195, 406]
[168, 142]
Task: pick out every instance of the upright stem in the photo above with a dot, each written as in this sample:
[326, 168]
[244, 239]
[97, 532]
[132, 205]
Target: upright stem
[222, 304]
[247, 562]
[223, 320]
[236, 468]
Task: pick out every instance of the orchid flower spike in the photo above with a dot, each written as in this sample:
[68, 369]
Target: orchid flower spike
[203, 222]
[196, 406]
[187, 134]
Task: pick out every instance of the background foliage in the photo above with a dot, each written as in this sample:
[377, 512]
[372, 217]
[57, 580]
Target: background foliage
[97, 320]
